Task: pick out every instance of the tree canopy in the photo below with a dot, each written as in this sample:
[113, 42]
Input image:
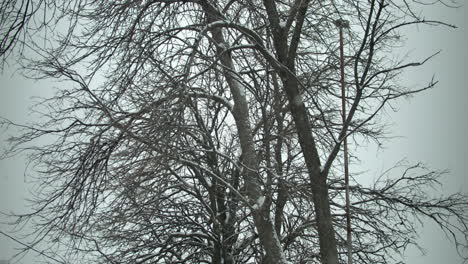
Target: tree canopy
[199, 131]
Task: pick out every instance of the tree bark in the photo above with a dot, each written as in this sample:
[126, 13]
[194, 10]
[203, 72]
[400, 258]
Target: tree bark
[261, 215]
[318, 182]
[286, 54]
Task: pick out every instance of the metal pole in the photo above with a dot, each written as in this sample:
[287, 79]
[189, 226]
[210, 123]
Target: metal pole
[344, 24]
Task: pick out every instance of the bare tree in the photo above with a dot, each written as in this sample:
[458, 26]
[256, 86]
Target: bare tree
[14, 16]
[210, 131]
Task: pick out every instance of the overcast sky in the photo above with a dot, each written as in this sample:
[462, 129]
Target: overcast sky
[433, 127]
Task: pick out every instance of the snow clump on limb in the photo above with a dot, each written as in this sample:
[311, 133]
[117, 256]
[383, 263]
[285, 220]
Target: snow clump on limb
[259, 202]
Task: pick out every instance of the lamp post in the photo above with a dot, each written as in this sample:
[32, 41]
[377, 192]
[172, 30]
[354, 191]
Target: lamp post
[340, 23]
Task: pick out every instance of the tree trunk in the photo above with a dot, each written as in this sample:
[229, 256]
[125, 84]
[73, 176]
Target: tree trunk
[286, 54]
[318, 182]
[261, 215]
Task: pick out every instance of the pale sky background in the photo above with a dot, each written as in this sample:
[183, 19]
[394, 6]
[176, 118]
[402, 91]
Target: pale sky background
[433, 127]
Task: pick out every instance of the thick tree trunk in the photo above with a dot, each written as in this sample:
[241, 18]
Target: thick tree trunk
[261, 215]
[263, 223]
[286, 55]
[318, 182]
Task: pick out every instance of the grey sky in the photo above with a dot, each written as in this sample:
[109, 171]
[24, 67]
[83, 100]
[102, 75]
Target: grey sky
[433, 126]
